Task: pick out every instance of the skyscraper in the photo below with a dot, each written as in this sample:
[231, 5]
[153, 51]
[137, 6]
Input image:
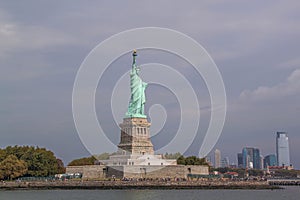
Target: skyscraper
[217, 158]
[247, 157]
[240, 160]
[256, 159]
[225, 162]
[270, 160]
[261, 162]
[282, 149]
[251, 158]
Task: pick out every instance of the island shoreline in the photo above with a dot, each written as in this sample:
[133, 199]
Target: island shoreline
[124, 185]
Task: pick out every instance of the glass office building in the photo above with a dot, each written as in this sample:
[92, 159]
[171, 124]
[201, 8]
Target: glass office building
[240, 160]
[270, 160]
[217, 158]
[251, 158]
[282, 149]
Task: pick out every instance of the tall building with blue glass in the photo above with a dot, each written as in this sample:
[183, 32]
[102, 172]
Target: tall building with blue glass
[256, 159]
[282, 149]
[270, 160]
[251, 158]
[240, 160]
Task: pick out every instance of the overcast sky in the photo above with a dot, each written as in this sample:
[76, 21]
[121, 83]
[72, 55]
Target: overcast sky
[255, 45]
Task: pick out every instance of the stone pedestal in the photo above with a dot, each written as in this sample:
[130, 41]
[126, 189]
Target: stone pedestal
[135, 137]
[135, 147]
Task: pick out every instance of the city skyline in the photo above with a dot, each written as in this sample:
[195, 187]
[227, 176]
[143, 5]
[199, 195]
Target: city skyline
[250, 157]
[254, 44]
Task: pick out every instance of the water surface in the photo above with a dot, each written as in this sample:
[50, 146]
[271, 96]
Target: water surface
[290, 193]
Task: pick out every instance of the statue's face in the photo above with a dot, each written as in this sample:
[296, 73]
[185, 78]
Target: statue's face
[137, 70]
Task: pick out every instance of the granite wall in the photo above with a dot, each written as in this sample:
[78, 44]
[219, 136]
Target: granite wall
[137, 171]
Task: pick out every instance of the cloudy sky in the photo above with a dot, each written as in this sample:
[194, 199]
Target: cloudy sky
[255, 45]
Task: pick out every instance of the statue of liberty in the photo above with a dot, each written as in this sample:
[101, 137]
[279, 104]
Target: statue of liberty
[137, 86]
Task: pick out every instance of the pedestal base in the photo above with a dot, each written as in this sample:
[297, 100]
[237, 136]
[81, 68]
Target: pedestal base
[137, 160]
[135, 137]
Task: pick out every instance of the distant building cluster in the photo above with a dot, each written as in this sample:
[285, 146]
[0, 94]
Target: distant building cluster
[251, 158]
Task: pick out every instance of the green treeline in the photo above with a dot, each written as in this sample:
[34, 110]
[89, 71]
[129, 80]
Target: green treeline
[191, 160]
[90, 160]
[83, 161]
[20, 161]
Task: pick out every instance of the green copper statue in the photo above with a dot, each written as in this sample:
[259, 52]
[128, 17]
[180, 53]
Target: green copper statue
[137, 86]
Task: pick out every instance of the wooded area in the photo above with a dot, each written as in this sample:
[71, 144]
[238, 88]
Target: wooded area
[29, 161]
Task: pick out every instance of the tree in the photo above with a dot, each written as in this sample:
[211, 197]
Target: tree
[286, 173]
[41, 162]
[191, 160]
[172, 156]
[61, 168]
[103, 156]
[255, 172]
[11, 167]
[181, 160]
[18, 151]
[83, 161]
[2, 155]
[223, 170]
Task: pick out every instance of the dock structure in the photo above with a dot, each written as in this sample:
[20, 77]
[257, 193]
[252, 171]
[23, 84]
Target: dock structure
[283, 181]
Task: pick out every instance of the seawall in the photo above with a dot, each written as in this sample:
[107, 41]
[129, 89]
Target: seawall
[104, 185]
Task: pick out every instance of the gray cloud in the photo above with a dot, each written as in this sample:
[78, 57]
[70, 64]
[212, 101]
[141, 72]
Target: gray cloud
[254, 43]
[291, 86]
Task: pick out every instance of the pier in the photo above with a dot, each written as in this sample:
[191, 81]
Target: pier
[283, 181]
